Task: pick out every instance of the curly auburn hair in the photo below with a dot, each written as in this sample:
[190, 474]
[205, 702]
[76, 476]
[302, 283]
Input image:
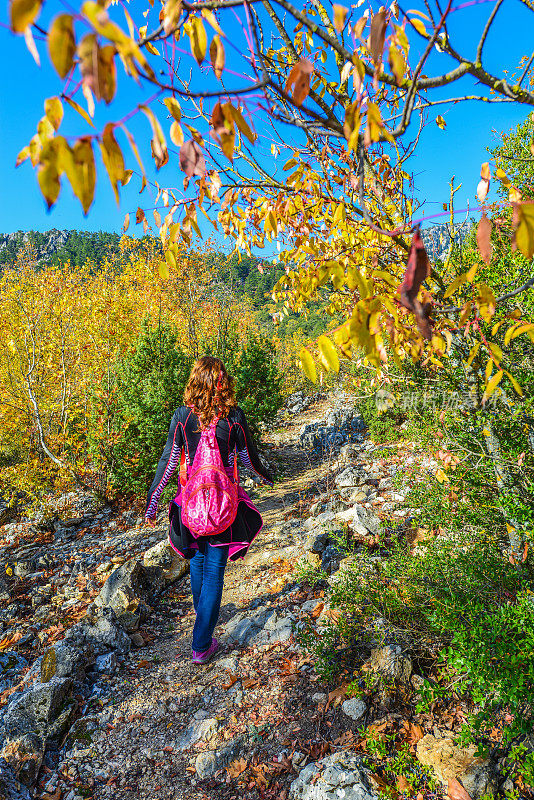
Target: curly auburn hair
[210, 390]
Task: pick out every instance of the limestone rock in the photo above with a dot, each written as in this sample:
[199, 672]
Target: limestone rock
[331, 559]
[326, 520]
[62, 661]
[349, 477]
[354, 708]
[338, 776]
[390, 662]
[10, 787]
[163, 565]
[316, 542]
[243, 627]
[197, 730]
[24, 755]
[210, 761]
[100, 630]
[83, 732]
[452, 761]
[43, 709]
[126, 591]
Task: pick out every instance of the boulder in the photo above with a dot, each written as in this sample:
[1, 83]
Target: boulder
[360, 520]
[198, 730]
[127, 592]
[24, 755]
[62, 661]
[100, 631]
[354, 708]
[322, 521]
[245, 626]
[341, 775]
[348, 477]
[390, 662]
[452, 761]
[331, 559]
[208, 762]
[11, 668]
[317, 542]
[43, 709]
[83, 732]
[10, 786]
[163, 565]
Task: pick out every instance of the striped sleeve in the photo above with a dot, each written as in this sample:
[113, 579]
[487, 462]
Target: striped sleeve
[248, 455]
[168, 462]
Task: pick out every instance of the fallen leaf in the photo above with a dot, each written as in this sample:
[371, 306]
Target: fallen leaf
[236, 768]
[456, 791]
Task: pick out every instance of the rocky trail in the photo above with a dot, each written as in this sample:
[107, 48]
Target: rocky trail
[100, 698]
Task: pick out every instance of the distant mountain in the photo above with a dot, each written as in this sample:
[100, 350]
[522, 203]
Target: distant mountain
[437, 238]
[58, 246]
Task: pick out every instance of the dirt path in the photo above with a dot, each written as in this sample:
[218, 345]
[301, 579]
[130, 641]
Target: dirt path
[246, 707]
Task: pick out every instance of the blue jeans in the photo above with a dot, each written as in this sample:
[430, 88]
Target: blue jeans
[207, 579]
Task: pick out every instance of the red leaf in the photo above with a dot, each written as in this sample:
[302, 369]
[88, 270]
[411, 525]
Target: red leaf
[417, 270]
[191, 159]
[456, 791]
[378, 35]
[299, 79]
[483, 238]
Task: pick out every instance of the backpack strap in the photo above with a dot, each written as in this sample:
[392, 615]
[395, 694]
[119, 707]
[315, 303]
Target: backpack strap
[236, 473]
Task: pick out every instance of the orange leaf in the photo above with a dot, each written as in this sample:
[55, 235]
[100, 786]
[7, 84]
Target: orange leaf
[456, 791]
[483, 238]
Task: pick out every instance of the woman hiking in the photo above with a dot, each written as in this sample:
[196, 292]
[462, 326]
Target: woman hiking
[212, 519]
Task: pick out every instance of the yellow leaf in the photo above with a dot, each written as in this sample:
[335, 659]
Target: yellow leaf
[340, 15]
[217, 56]
[440, 122]
[112, 158]
[242, 124]
[171, 259]
[339, 213]
[174, 108]
[308, 365]
[177, 134]
[163, 270]
[524, 235]
[457, 282]
[441, 476]
[73, 104]
[62, 44]
[492, 385]
[210, 17]
[472, 354]
[54, 111]
[329, 354]
[419, 26]
[23, 13]
[514, 383]
[198, 39]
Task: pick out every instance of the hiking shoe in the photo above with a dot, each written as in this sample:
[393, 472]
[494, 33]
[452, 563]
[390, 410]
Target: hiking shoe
[203, 658]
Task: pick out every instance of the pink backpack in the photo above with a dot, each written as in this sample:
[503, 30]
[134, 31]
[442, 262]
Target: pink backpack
[209, 496]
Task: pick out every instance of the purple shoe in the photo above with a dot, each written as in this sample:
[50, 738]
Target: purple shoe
[203, 658]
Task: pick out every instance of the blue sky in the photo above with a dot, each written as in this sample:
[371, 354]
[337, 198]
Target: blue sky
[458, 150]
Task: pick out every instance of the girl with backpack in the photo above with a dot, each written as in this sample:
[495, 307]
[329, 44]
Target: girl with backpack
[212, 519]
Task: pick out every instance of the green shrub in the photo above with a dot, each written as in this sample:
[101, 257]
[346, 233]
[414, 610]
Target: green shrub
[459, 594]
[150, 383]
[258, 382]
